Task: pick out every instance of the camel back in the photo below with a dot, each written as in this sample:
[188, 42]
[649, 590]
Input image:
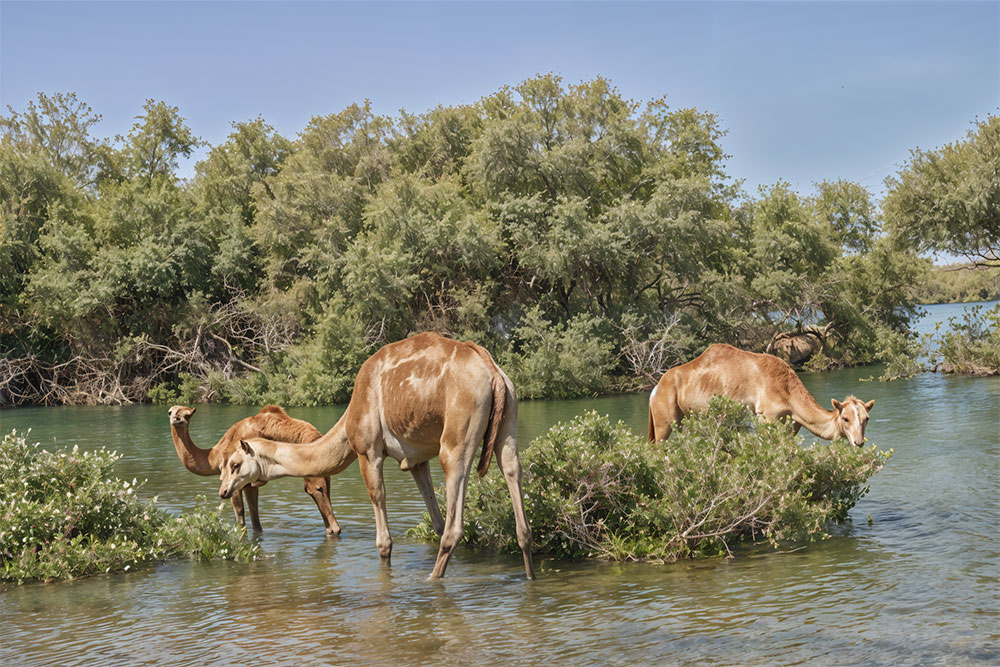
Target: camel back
[272, 423]
[496, 412]
[741, 375]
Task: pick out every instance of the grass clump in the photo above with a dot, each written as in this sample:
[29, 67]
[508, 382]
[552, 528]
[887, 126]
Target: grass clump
[594, 489]
[64, 515]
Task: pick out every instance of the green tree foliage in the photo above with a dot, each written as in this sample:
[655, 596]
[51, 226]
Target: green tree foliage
[587, 240]
[948, 200]
[849, 211]
[956, 283]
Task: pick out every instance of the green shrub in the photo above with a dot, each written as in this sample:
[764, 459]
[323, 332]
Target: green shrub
[560, 360]
[63, 515]
[902, 353]
[184, 390]
[595, 489]
[972, 344]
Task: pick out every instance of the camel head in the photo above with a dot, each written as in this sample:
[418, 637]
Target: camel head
[852, 417]
[180, 415]
[241, 468]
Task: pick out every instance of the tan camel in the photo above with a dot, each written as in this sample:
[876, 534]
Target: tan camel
[762, 382]
[270, 422]
[415, 399]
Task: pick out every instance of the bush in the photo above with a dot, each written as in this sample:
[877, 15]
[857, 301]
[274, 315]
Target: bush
[972, 344]
[902, 353]
[594, 489]
[560, 360]
[63, 515]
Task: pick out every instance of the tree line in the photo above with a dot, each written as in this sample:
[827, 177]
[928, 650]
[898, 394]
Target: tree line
[589, 241]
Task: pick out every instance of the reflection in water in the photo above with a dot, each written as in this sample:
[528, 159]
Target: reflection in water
[917, 585]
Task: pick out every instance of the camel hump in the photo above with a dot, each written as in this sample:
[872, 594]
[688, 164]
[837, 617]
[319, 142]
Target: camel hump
[276, 409]
[496, 412]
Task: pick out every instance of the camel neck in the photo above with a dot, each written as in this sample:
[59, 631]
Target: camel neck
[809, 413]
[194, 458]
[328, 455]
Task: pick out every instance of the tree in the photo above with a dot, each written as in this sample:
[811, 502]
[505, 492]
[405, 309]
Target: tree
[157, 141]
[848, 209]
[948, 200]
[58, 128]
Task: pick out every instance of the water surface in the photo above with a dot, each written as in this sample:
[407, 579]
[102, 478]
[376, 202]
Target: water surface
[916, 585]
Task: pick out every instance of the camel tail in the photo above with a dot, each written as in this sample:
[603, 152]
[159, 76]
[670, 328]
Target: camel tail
[496, 412]
[652, 430]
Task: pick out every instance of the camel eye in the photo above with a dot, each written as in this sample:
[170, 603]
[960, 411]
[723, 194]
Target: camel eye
[236, 466]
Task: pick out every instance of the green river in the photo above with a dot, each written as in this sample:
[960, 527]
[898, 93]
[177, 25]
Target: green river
[912, 578]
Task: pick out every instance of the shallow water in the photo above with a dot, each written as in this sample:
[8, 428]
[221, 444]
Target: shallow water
[917, 585]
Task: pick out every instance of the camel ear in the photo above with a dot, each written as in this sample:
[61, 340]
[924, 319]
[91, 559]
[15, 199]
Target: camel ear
[247, 449]
[194, 410]
[837, 405]
[870, 404]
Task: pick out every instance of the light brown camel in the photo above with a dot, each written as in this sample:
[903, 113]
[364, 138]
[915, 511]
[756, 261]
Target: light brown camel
[415, 399]
[762, 382]
[270, 422]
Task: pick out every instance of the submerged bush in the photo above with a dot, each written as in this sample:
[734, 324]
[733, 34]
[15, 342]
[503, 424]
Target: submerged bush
[595, 489]
[903, 353]
[64, 515]
[972, 344]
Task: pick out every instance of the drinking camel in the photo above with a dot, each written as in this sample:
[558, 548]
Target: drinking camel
[415, 399]
[762, 382]
[270, 422]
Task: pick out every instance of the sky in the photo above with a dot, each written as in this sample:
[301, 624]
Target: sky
[808, 91]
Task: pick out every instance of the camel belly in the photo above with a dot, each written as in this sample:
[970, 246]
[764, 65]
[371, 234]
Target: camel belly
[409, 454]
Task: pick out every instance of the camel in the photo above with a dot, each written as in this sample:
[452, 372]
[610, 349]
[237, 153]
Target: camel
[762, 382]
[414, 399]
[271, 422]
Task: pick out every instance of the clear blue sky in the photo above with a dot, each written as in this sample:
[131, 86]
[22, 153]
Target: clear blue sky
[808, 91]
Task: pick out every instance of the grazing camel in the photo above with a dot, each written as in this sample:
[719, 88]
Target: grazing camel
[415, 399]
[271, 422]
[762, 382]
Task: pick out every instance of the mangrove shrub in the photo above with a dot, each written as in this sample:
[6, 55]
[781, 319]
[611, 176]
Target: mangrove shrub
[594, 489]
[541, 221]
[64, 515]
[972, 344]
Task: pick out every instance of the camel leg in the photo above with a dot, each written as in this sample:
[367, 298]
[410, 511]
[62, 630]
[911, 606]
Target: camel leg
[319, 489]
[506, 454]
[371, 473]
[252, 494]
[664, 412]
[457, 460]
[422, 476]
[237, 500]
